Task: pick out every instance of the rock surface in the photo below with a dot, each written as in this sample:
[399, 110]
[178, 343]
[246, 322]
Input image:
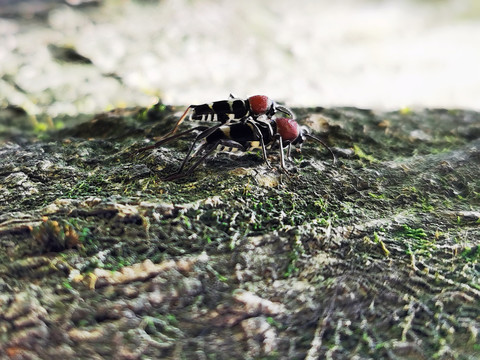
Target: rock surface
[375, 257]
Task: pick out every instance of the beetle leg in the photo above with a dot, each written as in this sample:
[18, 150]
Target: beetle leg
[205, 132]
[209, 148]
[258, 133]
[200, 136]
[282, 159]
[289, 155]
[170, 138]
[175, 128]
[179, 174]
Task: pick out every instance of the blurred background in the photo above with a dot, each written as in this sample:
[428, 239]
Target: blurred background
[86, 56]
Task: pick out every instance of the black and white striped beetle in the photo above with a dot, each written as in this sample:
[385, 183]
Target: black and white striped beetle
[263, 131]
[233, 109]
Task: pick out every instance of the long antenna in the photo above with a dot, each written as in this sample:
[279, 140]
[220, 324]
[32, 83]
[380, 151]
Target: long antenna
[325, 145]
[285, 110]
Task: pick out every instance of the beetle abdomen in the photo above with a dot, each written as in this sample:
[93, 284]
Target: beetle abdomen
[220, 110]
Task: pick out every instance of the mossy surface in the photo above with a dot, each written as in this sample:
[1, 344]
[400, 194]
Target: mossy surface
[375, 257]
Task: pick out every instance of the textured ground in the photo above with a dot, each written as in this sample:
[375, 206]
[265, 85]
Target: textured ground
[375, 257]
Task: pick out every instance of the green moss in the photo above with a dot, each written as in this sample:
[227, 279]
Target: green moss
[471, 254]
[377, 196]
[66, 284]
[417, 241]
[408, 232]
[172, 319]
[362, 155]
[297, 250]
[40, 127]
[92, 185]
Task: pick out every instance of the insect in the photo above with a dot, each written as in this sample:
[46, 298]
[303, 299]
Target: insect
[233, 109]
[261, 132]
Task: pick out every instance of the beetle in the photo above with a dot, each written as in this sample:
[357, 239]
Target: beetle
[233, 109]
[261, 132]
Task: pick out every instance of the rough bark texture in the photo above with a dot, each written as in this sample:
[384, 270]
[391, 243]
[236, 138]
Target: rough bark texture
[375, 257]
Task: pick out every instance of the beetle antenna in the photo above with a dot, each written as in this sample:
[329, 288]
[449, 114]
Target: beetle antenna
[324, 144]
[285, 110]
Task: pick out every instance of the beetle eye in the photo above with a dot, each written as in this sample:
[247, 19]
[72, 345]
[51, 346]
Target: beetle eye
[260, 104]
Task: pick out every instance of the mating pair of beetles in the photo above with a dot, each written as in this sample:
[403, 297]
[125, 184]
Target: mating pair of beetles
[241, 125]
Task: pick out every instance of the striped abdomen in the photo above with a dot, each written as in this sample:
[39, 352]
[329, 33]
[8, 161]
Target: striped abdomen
[240, 136]
[221, 110]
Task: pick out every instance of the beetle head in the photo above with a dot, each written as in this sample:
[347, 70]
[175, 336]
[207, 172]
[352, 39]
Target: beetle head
[261, 104]
[288, 129]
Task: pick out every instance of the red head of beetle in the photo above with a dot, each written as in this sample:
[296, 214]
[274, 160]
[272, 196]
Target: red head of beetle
[260, 104]
[287, 128]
